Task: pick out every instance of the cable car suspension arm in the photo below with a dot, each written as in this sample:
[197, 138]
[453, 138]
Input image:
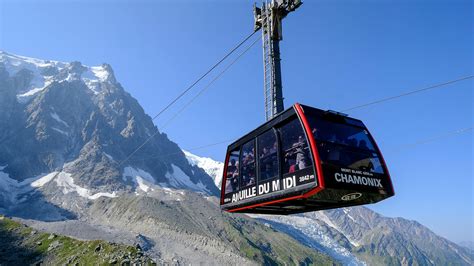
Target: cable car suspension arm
[269, 18]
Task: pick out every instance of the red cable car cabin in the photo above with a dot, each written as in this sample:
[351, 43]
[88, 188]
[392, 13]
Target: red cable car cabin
[304, 159]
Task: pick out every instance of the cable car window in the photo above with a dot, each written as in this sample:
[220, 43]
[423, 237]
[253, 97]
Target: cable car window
[248, 164]
[267, 155]
[295, 150]
[232, 175]
[344, 134]
[345, 145]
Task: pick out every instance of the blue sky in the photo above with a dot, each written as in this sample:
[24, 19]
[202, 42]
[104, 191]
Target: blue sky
[335, 55]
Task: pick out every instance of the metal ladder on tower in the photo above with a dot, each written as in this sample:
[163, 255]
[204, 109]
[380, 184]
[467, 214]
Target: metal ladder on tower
[269, 19]
[268, 77]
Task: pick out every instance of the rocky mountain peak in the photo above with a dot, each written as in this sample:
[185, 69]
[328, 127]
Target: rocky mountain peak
[108, 73]
[78, 120]
[31, 75]
[65, 130]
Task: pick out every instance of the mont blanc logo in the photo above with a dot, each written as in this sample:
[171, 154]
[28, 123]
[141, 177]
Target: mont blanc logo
[351, 196]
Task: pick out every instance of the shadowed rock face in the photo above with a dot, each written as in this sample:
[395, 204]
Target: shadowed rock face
[21, 245]
[383, 240]
[358, 235]
[68, 117]
[12, 249]
[65, 128]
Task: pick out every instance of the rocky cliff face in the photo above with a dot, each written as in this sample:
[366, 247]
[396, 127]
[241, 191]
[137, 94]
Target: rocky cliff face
[21, 245]
[378, 239]
[213, 168]
[65, 128]
[79, 121]
[359, 236]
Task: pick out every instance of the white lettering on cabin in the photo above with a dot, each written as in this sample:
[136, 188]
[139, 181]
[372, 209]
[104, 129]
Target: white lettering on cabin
[276, 185]
[268, 187]
[289, 182]
[244, 194]
[305, 178]
[263, 188]
[359, 180]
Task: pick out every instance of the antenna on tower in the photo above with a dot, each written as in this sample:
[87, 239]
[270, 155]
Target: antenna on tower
[269, 18]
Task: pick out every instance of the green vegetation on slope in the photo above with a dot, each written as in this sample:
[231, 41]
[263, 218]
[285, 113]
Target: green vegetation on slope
[195, 219]
[391, 248]
[21, 245]
[270, 247]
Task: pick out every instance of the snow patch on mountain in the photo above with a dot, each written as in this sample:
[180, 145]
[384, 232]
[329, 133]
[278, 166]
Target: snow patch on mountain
[323, 217]
[346, 211]
[13, 190]
[39, 80]
[35, 87]
[66, 182]
[309, 230]
[15, 63]
[42, 180]
[108, 156]
[312, 233]
[210, 166]
[60, 131]
[56, 117]
[100, 72]
[45, 72]
[26, 96]
[178, 179]
[145, 183]
[142, 179]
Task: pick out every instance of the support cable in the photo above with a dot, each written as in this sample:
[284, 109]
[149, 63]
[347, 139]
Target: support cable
[400, 147]
[356, 107]
[209, 84]
[410, 93]
[192, 100]
[424, 141]
[203, 76]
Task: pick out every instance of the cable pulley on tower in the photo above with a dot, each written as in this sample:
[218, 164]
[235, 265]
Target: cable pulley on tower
[269, 18]
[303, 159]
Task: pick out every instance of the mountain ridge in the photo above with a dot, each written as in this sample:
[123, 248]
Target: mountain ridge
[357, 229]
[98, 122]
[59, 158]
[65, 128]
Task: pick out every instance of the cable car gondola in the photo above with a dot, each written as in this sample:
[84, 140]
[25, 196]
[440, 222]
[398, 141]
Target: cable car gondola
[304, 159]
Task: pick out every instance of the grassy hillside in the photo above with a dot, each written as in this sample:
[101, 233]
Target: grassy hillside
[21, 245]
[270, 247]
[391, 248]
[195, 226]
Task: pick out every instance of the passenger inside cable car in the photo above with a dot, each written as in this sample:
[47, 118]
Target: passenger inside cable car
[302, 160]
[232, 174]
[295, 147]
[248, 165]
[345, 145]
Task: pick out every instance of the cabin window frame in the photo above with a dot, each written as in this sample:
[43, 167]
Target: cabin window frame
[239, 150]
[313, 120]
[278, 168]
[309, 154]
[241, 187]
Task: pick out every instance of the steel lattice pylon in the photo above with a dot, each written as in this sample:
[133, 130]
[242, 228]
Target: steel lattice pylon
[269, 18]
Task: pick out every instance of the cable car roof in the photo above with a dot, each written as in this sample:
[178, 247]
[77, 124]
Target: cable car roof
[289, 112]
[335, 172]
